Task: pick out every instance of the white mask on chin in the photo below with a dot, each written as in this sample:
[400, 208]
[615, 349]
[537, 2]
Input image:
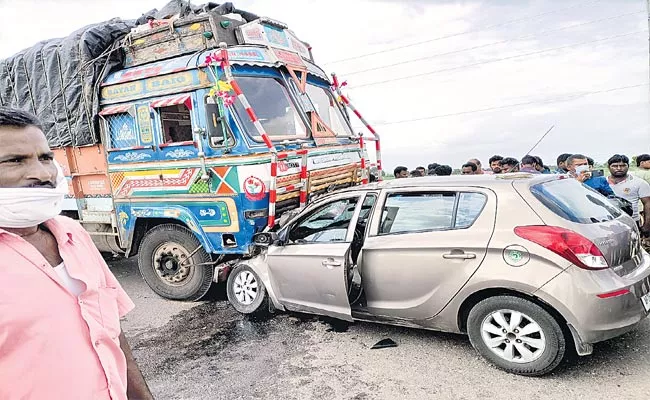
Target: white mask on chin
[29, 207]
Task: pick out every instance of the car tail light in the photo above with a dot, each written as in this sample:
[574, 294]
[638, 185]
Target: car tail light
[613, 294]
[570, 245]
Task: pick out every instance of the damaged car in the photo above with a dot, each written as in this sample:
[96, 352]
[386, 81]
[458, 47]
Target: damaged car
[530, 267]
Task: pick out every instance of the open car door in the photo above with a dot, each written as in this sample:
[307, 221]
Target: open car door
[309, 270]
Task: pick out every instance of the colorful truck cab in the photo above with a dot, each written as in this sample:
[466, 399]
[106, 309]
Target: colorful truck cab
[199, 152]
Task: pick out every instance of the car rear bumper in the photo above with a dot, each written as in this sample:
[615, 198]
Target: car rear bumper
[575, 294]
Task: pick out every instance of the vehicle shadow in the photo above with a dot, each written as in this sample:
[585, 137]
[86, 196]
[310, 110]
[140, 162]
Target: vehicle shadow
[217, 292]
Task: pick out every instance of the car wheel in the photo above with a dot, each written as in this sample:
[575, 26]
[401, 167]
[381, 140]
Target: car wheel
[247, 293]
[168, 258]
[516, 335]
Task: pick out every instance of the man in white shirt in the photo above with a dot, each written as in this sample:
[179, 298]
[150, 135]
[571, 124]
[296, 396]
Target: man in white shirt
[631, 188]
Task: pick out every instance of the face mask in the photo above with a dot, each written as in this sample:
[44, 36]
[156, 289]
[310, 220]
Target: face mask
[29, 207]
[581, 168]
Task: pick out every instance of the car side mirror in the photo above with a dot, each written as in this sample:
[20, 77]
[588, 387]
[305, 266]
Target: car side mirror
[265, 239]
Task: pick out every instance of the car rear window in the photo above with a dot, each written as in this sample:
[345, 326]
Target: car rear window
[575, 202]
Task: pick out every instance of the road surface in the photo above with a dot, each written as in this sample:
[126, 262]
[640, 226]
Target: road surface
[199, 351]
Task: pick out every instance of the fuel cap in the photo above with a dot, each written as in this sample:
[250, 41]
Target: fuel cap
[516, 256]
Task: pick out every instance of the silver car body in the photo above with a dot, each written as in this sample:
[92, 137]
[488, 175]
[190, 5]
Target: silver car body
[431, 279]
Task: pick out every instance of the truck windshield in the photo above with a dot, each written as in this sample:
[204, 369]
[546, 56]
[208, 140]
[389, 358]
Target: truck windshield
[273, 107]
[327, 109]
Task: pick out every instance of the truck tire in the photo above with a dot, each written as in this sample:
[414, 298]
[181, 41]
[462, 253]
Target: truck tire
[160, 261]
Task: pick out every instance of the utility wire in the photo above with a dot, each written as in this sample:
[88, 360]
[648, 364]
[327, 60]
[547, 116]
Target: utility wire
[554, 100]
[485, 28]
[492, 44]
[495, 60]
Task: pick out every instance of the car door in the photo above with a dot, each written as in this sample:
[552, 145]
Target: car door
[423, 247]
[308, 270]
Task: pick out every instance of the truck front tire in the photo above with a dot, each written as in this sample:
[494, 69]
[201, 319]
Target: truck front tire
[172, 266]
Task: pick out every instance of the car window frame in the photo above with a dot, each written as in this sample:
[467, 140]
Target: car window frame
[349, 235]
[460, 192]
[376, 217]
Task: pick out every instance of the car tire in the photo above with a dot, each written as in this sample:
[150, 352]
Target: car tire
[516, 335]
[169, 245]
[246, 292]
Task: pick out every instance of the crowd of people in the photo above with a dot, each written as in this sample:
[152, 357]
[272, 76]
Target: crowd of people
[620, 183]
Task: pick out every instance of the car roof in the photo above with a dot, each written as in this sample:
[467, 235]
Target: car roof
[484, 180]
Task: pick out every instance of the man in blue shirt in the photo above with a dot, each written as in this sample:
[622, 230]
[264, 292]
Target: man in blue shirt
[578, 166]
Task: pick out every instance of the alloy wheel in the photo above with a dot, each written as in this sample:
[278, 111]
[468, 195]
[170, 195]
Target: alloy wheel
[513, 336]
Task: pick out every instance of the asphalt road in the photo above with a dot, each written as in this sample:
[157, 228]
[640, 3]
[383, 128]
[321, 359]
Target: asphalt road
[208, 351]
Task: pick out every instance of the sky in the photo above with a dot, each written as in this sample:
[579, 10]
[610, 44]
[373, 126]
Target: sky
[448, 80]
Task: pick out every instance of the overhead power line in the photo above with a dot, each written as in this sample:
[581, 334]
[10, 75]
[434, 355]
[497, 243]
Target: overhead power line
[496, 60]
[492, 44]
[485, 28]
[506, 106]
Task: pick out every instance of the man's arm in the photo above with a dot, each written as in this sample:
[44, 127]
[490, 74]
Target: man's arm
[646, 215]
[605, 188]
[136, 386]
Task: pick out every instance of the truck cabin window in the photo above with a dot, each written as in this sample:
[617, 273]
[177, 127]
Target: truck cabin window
[122, 131]
[328, 110]
[273, 107]
[176, 123]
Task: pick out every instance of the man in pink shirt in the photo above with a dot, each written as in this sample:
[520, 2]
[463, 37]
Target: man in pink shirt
[60, 305]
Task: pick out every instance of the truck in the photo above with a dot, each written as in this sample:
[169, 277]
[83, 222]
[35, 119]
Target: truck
[184, 133]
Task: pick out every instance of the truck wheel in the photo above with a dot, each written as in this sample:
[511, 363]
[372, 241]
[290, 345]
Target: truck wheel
[246, 292]
[516, 335]
[168, 266]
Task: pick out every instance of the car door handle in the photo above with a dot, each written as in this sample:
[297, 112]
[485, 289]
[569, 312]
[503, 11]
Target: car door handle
[459, 256]
[330, 262]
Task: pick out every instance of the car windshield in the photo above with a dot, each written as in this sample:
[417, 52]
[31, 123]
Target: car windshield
[328, 110]
[575, 202]
[273, 107]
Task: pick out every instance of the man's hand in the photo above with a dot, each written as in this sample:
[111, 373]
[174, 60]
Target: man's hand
[136, 386]
[583, 176]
